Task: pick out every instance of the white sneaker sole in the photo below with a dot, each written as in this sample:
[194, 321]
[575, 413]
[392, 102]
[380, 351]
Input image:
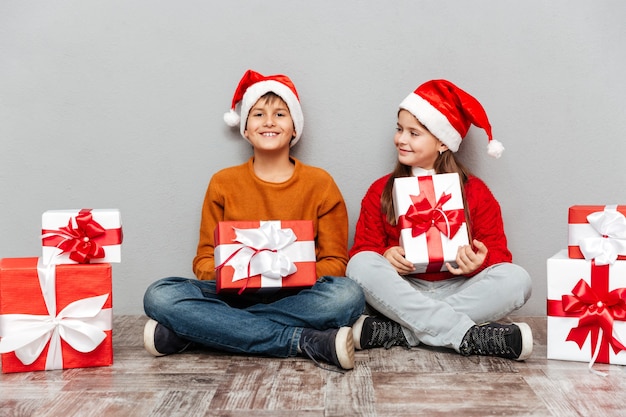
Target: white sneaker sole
[357, 330]
[344, 346]
[148, 338]
[527, 341]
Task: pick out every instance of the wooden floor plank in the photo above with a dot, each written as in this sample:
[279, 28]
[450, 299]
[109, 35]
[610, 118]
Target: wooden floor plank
[351, 394]
[469, 394]
[394, 382]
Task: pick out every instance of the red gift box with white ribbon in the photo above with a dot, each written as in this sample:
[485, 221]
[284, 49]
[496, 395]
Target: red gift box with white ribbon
[597, 232]
[586, 310]
[81, 236]
[54, 316]
[264, 255]
[430, 213]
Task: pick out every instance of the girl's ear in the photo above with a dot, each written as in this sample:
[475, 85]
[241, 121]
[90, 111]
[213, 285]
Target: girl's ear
[442, 147]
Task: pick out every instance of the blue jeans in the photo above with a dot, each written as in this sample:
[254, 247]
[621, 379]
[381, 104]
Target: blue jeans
[268, 325]
[439, 313]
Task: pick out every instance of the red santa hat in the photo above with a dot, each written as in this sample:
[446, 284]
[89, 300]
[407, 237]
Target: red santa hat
[253, 86]
[447, 112]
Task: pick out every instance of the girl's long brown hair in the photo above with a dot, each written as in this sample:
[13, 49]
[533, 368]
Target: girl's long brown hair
[445, 163]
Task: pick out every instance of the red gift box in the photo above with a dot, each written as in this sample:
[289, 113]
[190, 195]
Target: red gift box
[597, 232]
[54, 317]
[264, 255]
[81, 236]
[586, 310]
[429, 211]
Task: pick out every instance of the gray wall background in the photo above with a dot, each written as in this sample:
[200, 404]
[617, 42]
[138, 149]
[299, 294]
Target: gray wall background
[119, 104]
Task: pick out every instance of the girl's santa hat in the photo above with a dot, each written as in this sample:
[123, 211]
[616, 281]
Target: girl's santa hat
[447, 112]
[252, 87]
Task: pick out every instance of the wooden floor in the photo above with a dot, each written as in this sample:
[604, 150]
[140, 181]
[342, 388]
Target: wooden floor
[395, 382]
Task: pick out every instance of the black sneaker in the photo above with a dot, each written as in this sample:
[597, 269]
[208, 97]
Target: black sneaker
[334, 346]
[510, 341]
[372, 332]
[160, 341]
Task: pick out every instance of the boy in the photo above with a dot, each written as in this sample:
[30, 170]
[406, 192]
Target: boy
[271, 185]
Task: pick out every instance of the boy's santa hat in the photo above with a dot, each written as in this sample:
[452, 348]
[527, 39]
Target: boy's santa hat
[447, 112]
[252, 87]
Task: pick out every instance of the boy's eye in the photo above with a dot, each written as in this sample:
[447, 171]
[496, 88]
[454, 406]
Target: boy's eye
[280, 114]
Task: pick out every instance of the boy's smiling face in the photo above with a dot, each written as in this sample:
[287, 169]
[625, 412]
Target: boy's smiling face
[269, 125]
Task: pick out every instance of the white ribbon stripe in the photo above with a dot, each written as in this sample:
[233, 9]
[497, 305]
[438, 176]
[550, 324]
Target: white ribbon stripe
[82, 324]
[605, 237]
[268, 251]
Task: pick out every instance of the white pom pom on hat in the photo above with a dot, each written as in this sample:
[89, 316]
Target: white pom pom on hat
[253, 86]
[231, 118]
[447, 112]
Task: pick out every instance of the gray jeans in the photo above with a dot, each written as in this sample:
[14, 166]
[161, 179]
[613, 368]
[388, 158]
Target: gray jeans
[439, 313]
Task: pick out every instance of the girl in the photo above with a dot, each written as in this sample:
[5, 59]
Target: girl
[455, 308]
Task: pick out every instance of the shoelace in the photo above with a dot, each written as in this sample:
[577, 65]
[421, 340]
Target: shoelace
[489, 340]
[386, 334]
[307, 346]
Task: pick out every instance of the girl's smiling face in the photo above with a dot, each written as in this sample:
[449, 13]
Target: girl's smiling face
[416, 146]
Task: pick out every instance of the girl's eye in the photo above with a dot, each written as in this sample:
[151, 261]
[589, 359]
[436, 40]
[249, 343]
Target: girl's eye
[415, 134]
[398, 129]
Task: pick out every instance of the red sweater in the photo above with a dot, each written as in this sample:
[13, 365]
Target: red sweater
[374, 233]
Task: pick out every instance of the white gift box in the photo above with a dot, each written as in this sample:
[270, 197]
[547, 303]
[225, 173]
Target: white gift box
[586, 315]
[430, 212]
[81, 236]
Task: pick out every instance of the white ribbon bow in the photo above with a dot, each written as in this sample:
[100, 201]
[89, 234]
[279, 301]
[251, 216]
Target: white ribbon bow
[611, 242]
[262, 250]
[81, 324]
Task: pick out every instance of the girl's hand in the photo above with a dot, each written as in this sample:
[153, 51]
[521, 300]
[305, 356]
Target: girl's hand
[395, 256]
[467, 260]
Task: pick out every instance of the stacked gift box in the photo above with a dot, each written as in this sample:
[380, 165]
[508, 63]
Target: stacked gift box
[587, 288]
[430, 214]
[56, 309]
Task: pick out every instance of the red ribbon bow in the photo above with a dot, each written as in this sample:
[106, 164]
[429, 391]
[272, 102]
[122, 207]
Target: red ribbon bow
[424, 214]
[597, 310]
[83, 242]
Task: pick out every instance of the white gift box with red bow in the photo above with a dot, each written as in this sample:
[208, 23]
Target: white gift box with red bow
[81, 236]
[430, 213]
[586, 310]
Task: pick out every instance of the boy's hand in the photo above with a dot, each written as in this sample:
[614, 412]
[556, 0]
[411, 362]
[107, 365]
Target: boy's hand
[467, 259]
[395, 256]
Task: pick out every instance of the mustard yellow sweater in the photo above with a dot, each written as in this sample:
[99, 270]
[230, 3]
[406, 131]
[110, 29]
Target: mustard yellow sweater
[236, 193]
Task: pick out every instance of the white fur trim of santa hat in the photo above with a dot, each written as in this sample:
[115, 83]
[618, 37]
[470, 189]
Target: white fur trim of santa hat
[447, 112]
[434, 121]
